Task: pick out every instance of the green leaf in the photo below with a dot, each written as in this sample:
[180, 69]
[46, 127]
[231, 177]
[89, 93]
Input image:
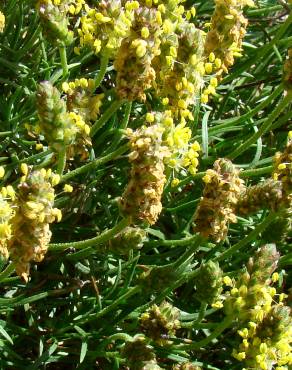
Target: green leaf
[5, 334]
[83, 351]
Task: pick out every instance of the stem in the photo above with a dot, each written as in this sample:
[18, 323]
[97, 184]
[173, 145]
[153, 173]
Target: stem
[103, 66]
[6, 133]
[178, 242]
[61, 161]
[118, 336]
[102, 238]
[106, 116]
[202, 312]
[220, 328]
[263, 129]
[249, 238]
[7, 272]
[188, 253]
[256, 172]
[64, 63]
[96, 163]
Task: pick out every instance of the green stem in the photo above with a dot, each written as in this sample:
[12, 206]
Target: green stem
[178, 242]
[256, 172]
[64, 63]
[189, 252]
[220, 328]
[249, 238]
[7, 272]
[106, 116]
[96, 163]
[6, 133]
[103, 66]
[61, 161]
[256, 12]
[263, 129]
[202, 312]
[102, 238]
[118, 336]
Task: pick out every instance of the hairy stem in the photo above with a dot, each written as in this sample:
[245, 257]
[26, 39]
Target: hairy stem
[99, 239]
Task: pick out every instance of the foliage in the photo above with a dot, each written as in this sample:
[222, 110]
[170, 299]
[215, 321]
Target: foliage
[145, 177]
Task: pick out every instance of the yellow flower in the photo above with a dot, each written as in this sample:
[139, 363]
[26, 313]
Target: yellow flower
[2, 22]
[175, 182]
[68, 188]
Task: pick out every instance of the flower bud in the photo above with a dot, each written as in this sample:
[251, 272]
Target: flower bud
[209, 282]
[128, 239]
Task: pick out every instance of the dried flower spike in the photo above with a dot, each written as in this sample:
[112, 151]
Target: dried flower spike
[142, 196]
[265, 195]
[139, 355]
[217, 206]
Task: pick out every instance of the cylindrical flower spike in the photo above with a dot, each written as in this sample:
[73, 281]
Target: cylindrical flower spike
[30, 225]
[142, 197]
[265, 195]
[61, 128]
[228, 28]
[179, 68]
[250, 297]
[54, 123]
[133, 62]
[217, 206]
[283, 171]
[139, 355]
[128, 239]
[160, 322]
[54, 19]
[104, 27]
[209, 282]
